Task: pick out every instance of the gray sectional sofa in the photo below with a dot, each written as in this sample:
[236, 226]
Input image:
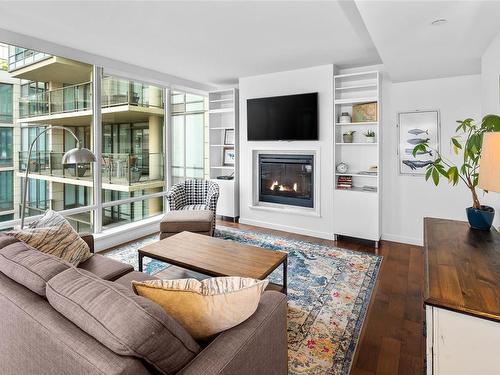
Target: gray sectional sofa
[36, 338]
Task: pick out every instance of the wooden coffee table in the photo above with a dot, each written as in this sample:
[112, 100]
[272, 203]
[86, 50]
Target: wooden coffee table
[216, 257]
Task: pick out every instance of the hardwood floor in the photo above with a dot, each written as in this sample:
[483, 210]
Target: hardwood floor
[392, 340]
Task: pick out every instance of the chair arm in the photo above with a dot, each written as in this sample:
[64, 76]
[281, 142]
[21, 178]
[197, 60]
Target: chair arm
[255, 347]
[175, 197]
[212, 198]
[89, 239]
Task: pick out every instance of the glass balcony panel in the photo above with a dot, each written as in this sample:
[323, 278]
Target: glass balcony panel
[49, 164]
[66, 99]
[131, 212]
[128, 169]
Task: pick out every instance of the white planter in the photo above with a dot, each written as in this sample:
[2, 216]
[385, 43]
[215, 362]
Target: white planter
[370, 139]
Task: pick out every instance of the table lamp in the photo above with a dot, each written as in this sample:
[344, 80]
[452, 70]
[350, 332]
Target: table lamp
[489, 165]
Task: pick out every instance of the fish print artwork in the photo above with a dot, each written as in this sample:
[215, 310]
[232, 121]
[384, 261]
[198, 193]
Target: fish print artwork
[418, 131]
[409, 151]
[417, 164]
[417, 141]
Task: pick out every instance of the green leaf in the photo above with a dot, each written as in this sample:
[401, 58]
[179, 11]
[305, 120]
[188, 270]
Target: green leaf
[491, 123]
[456, 144]
[435, 176]
[428, 172]
[453, 175]
[420, 147]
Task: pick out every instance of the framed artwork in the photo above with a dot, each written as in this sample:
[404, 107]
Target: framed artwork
[229, 137]
[229, 156]
[366, 112]
[414, 128]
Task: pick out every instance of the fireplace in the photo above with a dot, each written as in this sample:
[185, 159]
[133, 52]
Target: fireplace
[286, 179]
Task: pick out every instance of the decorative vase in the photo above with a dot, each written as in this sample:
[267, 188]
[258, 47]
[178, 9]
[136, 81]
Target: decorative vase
[480, 219]
[370, 139]
[347, 138]
[344, 118]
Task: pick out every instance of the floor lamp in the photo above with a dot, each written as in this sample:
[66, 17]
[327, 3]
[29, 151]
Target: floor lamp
[76, 156]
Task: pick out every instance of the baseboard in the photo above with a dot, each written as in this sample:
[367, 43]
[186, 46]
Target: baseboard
[286, 228]
[402, 239]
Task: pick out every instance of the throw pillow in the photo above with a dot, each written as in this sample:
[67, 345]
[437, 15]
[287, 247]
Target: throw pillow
[127, 324]
[52, 234]
[30, 267]
[208, 307]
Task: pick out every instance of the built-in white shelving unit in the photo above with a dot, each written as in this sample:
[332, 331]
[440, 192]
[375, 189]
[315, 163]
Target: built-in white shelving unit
[357, 209]
[223, 119]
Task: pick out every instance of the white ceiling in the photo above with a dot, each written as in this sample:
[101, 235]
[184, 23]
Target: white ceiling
[210, 42]
[412, 49]
[216, 42]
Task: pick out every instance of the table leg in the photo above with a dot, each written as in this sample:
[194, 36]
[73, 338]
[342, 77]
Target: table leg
[140, 262]
[285, 276]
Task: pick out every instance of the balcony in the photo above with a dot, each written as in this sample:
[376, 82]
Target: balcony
[122, 100]
[21, 57]
[122, 172]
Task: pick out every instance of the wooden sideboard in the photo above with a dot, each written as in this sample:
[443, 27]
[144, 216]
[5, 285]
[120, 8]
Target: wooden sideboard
[462, 298]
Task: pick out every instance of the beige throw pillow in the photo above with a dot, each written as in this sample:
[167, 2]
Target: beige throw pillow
[52, 234]
[208, 307]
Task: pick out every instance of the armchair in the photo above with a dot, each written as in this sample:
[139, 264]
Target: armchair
[194, 195]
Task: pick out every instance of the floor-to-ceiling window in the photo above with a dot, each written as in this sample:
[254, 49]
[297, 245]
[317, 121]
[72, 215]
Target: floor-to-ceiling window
[6, 146]
[6, 201]
[6, 102]
[188, 129]
[132, 151]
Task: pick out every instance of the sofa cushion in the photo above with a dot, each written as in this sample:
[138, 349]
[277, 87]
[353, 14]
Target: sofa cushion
[106, 268]
[52, 234]
[127, 324]
[29, 267]
[190, 220]
[5, 240]
[126, 280]
[205, 308]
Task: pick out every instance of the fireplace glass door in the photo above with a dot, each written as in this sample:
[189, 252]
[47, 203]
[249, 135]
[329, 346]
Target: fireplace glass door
[286, 179]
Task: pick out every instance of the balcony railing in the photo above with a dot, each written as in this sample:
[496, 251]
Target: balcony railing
[67, 99]
[120, 169]
[21, 57]
[115, 92]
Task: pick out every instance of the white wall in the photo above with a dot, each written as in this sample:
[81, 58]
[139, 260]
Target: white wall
[316, 79]
[490, 73]
[408, 199]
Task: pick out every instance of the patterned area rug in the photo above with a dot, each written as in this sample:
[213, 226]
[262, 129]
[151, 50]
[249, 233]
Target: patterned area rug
[329, 291]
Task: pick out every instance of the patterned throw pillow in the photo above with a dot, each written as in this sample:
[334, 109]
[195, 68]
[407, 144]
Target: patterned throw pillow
[52, 234]
[208, 307]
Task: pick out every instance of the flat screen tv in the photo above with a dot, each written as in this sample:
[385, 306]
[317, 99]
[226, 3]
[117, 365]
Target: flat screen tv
[283, 118]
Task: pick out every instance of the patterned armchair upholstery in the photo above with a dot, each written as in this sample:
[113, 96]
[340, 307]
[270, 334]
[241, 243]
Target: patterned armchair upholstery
[194, 195]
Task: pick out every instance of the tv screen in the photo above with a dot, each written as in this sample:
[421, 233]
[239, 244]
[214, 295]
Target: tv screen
[283, 118]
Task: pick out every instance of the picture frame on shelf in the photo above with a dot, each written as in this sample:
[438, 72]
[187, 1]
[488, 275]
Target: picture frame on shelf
[229, 137]
[414, 127]
[229, 156]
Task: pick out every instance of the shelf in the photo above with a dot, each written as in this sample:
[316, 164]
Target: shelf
[228, 146]
[357, 87]
[221, 110]
[222, 167]
[358, 189]
[222, 128]
[350, 75]
[356, 144]
[356, 100]
[357, 123]
[221, 100]
[357, 175]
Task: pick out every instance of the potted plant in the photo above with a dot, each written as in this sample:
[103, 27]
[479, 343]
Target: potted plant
[348, 136]
[467, 142]
[370, 136]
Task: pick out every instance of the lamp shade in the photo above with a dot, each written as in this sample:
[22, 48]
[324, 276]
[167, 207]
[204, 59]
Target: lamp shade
[489, 165]
[78, 156]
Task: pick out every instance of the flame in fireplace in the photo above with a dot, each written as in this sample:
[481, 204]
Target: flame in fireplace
[280, 187]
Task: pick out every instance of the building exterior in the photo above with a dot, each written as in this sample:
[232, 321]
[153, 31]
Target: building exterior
[58, 91]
